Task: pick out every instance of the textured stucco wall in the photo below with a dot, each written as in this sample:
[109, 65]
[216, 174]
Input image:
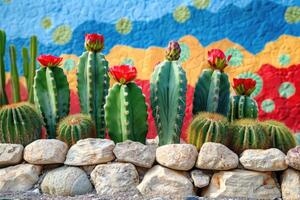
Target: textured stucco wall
[262, 35]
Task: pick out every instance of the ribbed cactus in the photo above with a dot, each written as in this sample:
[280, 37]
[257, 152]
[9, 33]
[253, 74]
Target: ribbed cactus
[125, 109]
[20, 123]
[75, 127]
[15, 83]
[93, 81]
[242, 105]
[208, 127]
[3, 97]
[281, 136]
[247, 134]
[51, 92]
[212, 89]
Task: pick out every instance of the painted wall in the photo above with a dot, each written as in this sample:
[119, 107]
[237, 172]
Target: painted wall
[263, 37]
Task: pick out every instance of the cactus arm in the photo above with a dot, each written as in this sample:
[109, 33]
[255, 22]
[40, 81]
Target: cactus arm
[224, 95]
[32, 67]
[213, 94]
[14, 75]
[25, 57]
[3, 97]
[82, 78]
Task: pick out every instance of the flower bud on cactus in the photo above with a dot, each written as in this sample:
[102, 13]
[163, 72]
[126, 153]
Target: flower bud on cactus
[20, 123]
[125, 109]
[93, 81]
[281, 136]
[94, 42]
[75, 127]
[217, 59]
[242, 105]
[168, 87]
[173, 51]
[208, 127]
[51, 92]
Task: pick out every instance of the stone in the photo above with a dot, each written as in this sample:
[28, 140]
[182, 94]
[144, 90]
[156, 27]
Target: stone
[263, 160]
[90, 151]
[242, 184]
[216, 156]
[200, 179]
[136, 153]
[290, 184]
[19, 178]
[46, 151]
[160, 181]
[11, 154]
[177, 156]
[115, 178]
[293, 158]
[66, 181]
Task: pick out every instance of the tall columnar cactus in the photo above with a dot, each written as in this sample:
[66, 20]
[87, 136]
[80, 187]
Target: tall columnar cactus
[247, 134]
[125, 109]
[212, 89]
[51, 92]
[208, 127]
[75, 127]
[168, 87]
[15, 83]
[3, 97]
[242, 105]
[281, 136]
[19, 123]
[93, 81]
[32, 67]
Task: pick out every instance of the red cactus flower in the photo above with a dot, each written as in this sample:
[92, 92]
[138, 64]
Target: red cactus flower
[217, 59]
[94, 42]
[49, 60]
[244, 86]
[123, 73]
[173, 51]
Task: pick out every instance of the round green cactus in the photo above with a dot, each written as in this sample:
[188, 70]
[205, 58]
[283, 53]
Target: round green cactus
[20, 123]
[242, 107]
[75, 127]
[247, 134]
[208, 127]
[281, 136]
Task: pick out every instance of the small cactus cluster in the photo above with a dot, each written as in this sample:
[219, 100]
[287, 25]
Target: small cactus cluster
[125, 109]
[20, 123]
[75, 127]
[168, 87]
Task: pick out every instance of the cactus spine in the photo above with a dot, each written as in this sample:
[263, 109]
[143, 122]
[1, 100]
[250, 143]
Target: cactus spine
[208, 127]
[242, 107]
[75, 127]
[51, 96]
[247, 134]
[93, 84]
[19, 123]
[3, 97]
[281, 136]
[168, 87]
[15, 84]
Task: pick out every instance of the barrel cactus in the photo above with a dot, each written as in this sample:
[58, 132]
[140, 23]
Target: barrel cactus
[212, 89]
[281, 137]
[20, 123]
[75, 127]
[208, 127]
[247, 134]
[51, 92]
[125, 109]
[168, 87]
[242, 105]
[93, 81]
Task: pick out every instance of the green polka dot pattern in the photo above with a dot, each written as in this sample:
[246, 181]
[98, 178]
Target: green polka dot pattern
[127, 61]
[181, 14]
[69, 64]
[46, 22]
[237, 57]
[124, 26]
[201, 4]
[268, 105]
[62, 35]
[185, 52]
[292, 14]
[286, 90]
[284, 59]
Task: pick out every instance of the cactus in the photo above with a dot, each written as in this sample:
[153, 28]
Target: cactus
[247, 134]
[208, 127]
[15, 83]
[168, 87]
[281, 137]
[212, 89]
[20, 123]
[51, 92]
[93, 81]
[242, 105]
[32, 67]
[125, 109]
[75, 127]
[3, 97]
